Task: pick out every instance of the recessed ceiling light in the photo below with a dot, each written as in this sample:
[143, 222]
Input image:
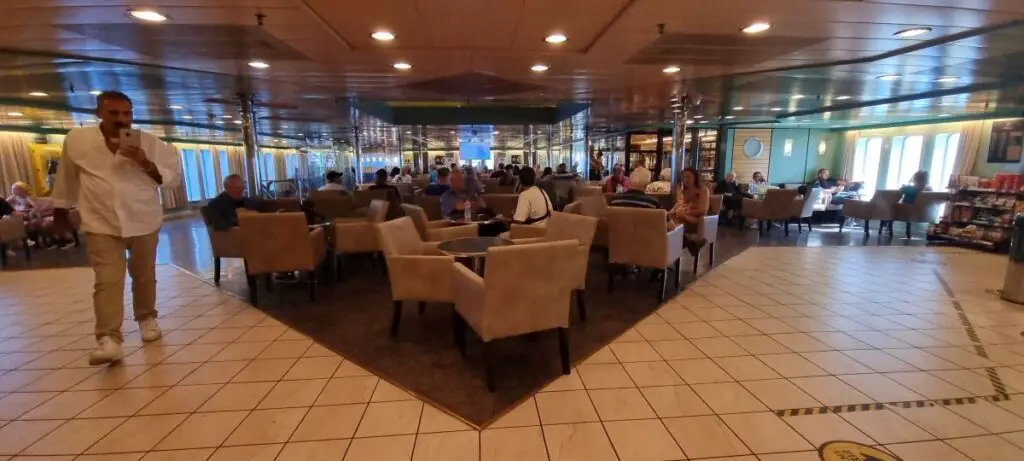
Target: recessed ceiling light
[147, 15]
[95, 92]
[539, 68]
[689, 122]
[258, 64]
[237, 122]
[402, 65]
[383, 36]
[219, 122]
[88, 120]
[842, 98]
[947, 103]
[730, 116]
[39, 94]
[738, 108]
[408, 132]
[913, 32]
[15, 114]
[175, 107]
[299, 134]
[186, 117]
[45, 126]
[757, 27]
[497, 132]
[225, 116]
[947, 79]
[889, 77]
[671, 69]
[945, 115]
[796, 96]
[451, 132]
[676, 111]
[698, 116]
[556, 38]
[776, 109]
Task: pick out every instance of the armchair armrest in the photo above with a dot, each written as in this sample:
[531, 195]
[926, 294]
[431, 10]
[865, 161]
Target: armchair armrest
[439, 224]
[753, 208]
[522, 231]
[797, 207]
[358, 237]
[453, 232]
[708, 228]
[675, 245]
[859, 209]
[226, 243]
[357, 219]
[318, 245]
[421, 278]
[469, 293]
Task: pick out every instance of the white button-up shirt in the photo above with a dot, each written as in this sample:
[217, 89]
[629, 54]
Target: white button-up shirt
[113, 194]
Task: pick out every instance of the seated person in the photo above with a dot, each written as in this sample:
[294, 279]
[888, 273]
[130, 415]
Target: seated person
[404, 176]
[534, 207]
[562, 173]
[498, 173]
[548, 173]
[432, 176]
[691, 206]
[441, 183]
[509, 178]
[826, 183]
[732, 195]
[349, 180]
[457, 198]
[918, 184]
[37, 212]
[617, 182]
[635, 196]
[758, 185]
[380, 181]
[664, 183]
[224, 208]
[333, 182]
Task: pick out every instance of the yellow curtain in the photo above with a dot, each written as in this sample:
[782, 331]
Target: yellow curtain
[174, 197]
[16, 161]
[967, 151]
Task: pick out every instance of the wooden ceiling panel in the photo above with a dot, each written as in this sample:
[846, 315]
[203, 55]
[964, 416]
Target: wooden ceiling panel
[579, 20]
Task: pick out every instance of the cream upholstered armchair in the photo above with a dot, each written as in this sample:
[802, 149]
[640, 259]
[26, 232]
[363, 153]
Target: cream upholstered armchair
[708, 230]
[596, 207]
[440, 230]
[803, 209]
[496, 306]
[431, 204]
[331, 205]
[280, 242]
[637, 237]
[776, 206]
[926, 208]
[416, 270]
[501, 204]
[224, 243]
[12, 230]
[882, 207]
[358, 235]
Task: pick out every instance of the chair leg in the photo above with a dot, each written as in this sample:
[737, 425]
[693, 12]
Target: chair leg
[907, 223]
[611, 277]
[679, 271]
[423, 307]
[254, 288]
[890, 228]
[216, 271]
[760, 228]
[799, 226]
[312, 285]
[489, 366]
[664, 286]
[78, 240]
[563, 349]
[383, 263]
[711, 254]
[809, 225]
[27, 249]
[786, 226]
[696, 262]
[459, 332]
[269, 278]
[396, 318]
[867, 227]
[581, 304]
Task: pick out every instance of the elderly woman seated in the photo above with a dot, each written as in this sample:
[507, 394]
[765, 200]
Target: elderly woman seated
[37, 212]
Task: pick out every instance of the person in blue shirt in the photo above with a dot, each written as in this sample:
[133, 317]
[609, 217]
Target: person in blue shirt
[918, 183]
[432, 176]
[440, 185]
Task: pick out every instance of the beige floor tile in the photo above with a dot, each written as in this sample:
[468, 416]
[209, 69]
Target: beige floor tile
[581, 441]
[705, 437]
[237, 396]
[434, 420]
[830, 391]
[728, 398]
[603, 355]
[287, 394]
[214, 373]
[565, 407]
[765, 433]
[137, 434]
[14, 405]
[113, 377]
[248, 453]
[926, 450]
[928, 385]
[63, 406]
[745, 368]
[221, 336]
[760, 344]
[17, 435]
[819, 429]
[513, 444]
[658, 332]
[620, 404]
[642, 440]
[679, 349]
[124, 402]
[604, 376]
[390, 418]
[880, 388]
[200, 454]
[269, 333]
[264, 370]
[695, 330]
[780, 394]
[880, 361]
[329, 422]
[107, 457]
[886, 427]
[569, 382]
[794, 456]
[394, 448]
[347, 390]
[524, 414]
[267, 426]
[719, 347]
[241, 351]
[194, 353]
[447, 446]
[635, 352]
[791, 365]
[285, 349]
[836, 362]
[59, 380]
[163, 375]
[73, 437]
[675, 401]
[921, 359]
[17, 379]
[203, 430]
[326, 450]
[181, 399]
[1016, 438]
[988, 448]
[648, 374]
[732, 328]
[387, 392]
[349, 369]
[800, 342]
[990, 416]
[699, 371]
[313, 368]
[940, 421]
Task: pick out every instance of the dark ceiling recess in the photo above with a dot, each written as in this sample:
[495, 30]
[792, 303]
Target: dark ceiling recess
[198, 41]
[707, 49]
[472, 85]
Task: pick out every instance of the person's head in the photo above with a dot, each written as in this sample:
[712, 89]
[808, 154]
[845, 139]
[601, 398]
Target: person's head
[395, 171]
[547, 172]
[333, 176]
[561, 168]
[639, 179]
[454, 166]
[618, 171]
[758, 177]
[407, 170]
[20, 189]
[527, 177]
[234, 186]
[508, 168]
[114, 109]
[442, 175]
[822, 174]
[433, 168]
[515, 170]
[692, 179]
[665, 175]
[501, 166]
[382, 177]
[730, 177]
[457, 181]
[920, 179]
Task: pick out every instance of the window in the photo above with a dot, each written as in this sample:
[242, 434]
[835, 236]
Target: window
[291, 164]
[193, 191]
[209, 173]
[944, 155]
[904, 160]
[225, 167]
[268, 167]
[866, 158]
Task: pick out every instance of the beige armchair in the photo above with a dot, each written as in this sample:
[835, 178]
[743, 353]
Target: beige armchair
[224, 243]
[440, 230]
[882, 207]
[358, 235]
[596, 207]
[637, 237]
[803, 209]
[925, 209]
[364, 197]
[776, 206]
[582, 190]
[280, 242]
[501, 204]
[416, 270]
[496, 306]
[12, 230]
[708, 230]
[331, 205]
[431, 204]
[285, 204]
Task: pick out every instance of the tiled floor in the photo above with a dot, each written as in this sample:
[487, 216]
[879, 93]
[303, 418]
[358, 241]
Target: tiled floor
[768, 356]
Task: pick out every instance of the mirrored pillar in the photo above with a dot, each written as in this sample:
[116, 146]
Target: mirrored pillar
[250, 141]
[678, 142]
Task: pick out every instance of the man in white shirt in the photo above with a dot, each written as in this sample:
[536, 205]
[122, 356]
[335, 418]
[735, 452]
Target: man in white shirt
[404, 177]
[117, 191]
[534, 206]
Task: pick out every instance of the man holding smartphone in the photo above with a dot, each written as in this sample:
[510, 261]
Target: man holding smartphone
[113, 174]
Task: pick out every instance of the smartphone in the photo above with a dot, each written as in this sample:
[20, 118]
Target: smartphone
[131, 137]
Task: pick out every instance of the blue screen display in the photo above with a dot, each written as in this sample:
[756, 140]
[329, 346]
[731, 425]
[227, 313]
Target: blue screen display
[474, 151]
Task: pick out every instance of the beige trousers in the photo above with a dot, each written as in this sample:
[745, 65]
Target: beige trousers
[108, 260]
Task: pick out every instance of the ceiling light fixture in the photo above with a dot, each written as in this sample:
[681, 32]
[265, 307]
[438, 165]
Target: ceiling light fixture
[796, 96]
[15, 114]
[402, 65]
[539, 68]
[738, 108]
[95, 92]
[219, 122]
[945, 115]
[258, 64]
[186, 117]
[698, 116]
[147, 15]
[237, 122]
[497, 132]
[912, 32]
[45, 126]
[776, 109]
[730, 117]
[39, 94]
[408, 132]
[225, 116]
[556, 38]
[889, 77]
[689, 122]
[175, 107]
[383, 36]
[947, 79]
[757, 27]
[451, 132]
[671, 69]
[842, 98]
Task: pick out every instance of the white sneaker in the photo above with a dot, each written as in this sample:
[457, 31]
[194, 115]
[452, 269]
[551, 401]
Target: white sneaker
[109, 351]
[150, 330]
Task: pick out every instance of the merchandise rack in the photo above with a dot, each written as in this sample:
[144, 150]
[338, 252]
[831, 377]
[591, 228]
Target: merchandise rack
[980, 218]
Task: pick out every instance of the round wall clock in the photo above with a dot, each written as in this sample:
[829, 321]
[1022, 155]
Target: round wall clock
[753, 147]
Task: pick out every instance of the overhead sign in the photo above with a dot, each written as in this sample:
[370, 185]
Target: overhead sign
[842, 450]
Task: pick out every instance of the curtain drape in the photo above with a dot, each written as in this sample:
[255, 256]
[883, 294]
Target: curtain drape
[967, 151]
[16, 160]
[174, 197]
[849, 149]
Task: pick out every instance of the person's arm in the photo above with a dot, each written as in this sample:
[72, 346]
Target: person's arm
[722, 188]
[523, 208]
[222, 215]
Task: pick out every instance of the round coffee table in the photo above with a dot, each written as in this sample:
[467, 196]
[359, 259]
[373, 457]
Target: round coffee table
[471, 247]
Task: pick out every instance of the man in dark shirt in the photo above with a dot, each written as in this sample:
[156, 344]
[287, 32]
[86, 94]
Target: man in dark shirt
[223, 209]
[442, 185]
[635, 196]
[498, 173]
[732, 196]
